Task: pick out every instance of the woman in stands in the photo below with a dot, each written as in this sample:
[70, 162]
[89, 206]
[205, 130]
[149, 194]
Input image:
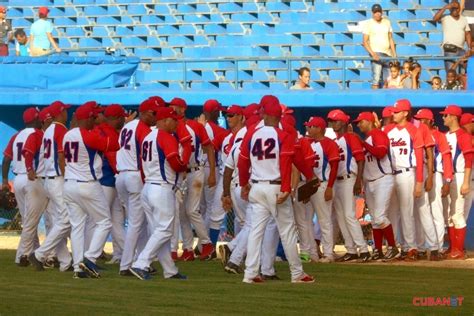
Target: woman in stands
[394, 81]
[41, 38]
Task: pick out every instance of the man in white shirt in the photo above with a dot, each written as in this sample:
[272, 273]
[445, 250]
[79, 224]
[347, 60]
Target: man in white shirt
[378, 41]
[304, 76]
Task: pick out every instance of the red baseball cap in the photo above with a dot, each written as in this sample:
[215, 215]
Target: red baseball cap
[452, 110]
[164, 113]
[251, 110]
[401, 105]
[424, 114]
[3, 9]
[365, 116]
[57, 107]
[387, 112]
[85, 112]
[466, 118]
[316, 121]
[338, 115]
[178, 102]
[152, 104]
[271, 105]
[212, 105]
[234, 109]
[286, 110]
[43, 10]
[115, 110]
[94, 106]
[45, 114]
[30, 115]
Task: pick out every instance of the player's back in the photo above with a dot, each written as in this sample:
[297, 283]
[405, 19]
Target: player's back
[18, 161]
[265, 154]
[128, 154]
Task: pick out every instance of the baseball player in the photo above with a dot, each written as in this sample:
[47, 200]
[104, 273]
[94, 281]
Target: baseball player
[194, 182]
[54, 164]
[407, 145]
[462, 152]
[114, 119]
[83, 193]
[29, 193]
[211, 110]
[265, 160]
[162, 167]
[443, 176]
[348, 185]
[129, 181]
[378, 185]
[322, 155]
[467, 122]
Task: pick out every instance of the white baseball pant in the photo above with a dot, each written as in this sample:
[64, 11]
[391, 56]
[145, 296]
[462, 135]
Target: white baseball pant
[377, 197]
[345, 207]
[129, 186]
[207, 196]
[86, 199]
[324, 212]
[270, 247]
[468, 204]
[317, 229]
[457, 202]
[48, 225]
[263, 199]
[35, 202]
[239, 206]
[57, 238]
[189, 214]
[304, 214]
[117, 216]
[160, 208]
[403, 203]
[436, 203]
[216, 212]
[176, 225]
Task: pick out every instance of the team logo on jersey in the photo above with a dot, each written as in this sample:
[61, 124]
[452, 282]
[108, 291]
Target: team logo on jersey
[397, 143]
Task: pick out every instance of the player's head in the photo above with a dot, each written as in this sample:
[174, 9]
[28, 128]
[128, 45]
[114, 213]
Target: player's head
[148, 110]
[31, 118]
[451, 116]
[271, 110]
[365, 121]
[377, 12]
[425, 116]
[401, 111]
[45, 117]
[179, 106]
[315, 127]
[211, 109]
[467, 122]
[115, 116]
[387, 116]
[85, 117]
[235, 116]
[166, 119]
[58, 111]
[20, 36]
[252, 114]
[338, 120]
[304, 75]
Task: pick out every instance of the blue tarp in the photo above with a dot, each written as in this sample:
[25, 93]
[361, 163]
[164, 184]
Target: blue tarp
[63, 72]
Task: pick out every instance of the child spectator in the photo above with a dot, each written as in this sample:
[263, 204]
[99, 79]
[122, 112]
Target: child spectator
[394, 81]
[407, 66]
[452, 81]
[22, 46]
[412, 81]
[436, 83]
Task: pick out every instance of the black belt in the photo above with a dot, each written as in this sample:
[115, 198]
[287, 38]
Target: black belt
[376, 179]
[81, 181]
[173, 187]
[268, 181]
[193, 169]
[347, 176]
[50, 178]
[401, 170]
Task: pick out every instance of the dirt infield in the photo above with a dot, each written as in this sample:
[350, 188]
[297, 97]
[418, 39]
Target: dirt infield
[10, 241]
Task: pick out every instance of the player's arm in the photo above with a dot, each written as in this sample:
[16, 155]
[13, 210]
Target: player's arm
[286, 162]
[59, 133]
[468, 151]
[170, 149]
[331, 150]
[379, 149]
[186, 142]
[358, 152]
[430, 168]
[7, 160]
[31, 147]
[302, 158]
[447, 161]
[226, 181]
[243, 165]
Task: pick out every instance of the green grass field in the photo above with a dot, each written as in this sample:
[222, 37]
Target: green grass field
[340, 289]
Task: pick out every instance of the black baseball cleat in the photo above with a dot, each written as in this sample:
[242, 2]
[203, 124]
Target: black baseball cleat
[225, 254]
[270, 277]
[178, 276]
[377, 255]
[391, 254]
[151, 270]
[23, 261]
[422, 255]
[364, 257]
[90, 268]
[125, 273]
[35, 262]
[80, 275]
[402, 256]
[348, 257]
[434, 255]
[232, 268]
[140, 274]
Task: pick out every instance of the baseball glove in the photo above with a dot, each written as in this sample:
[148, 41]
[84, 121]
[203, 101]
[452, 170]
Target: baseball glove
[7, 200]
[306, 190]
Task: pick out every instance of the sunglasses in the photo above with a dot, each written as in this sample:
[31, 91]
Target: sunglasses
[230, 115]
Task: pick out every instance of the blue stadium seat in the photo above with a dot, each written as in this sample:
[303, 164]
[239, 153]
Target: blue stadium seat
[136, 9]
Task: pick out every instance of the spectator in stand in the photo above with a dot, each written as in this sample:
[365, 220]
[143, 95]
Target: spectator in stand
[5, 32]
[467, 9]
[22, 45]
[412, 81]
[378, 41]
[394, 81]
[436, 83]
[456, 32]
[41, 38]
[452, 81]
[407, 66]
[304, 76]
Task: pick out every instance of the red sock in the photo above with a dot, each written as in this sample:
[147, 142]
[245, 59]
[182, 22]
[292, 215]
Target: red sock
[460, 237]
[378, 238]
[388, 233]
[452, 238]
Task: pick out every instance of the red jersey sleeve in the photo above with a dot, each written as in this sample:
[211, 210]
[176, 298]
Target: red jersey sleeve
[331, 150]
[243, 163]
[304, 157]
[182, 132]
[380, 144]
[356, 146]
[426, 136]
[8, 152]
[287, 150]
[59, 131]
[141, 132]
[31, 147]
[465, 144]
[95, 140]
[445, 152]
[170, 147]
[200, 131]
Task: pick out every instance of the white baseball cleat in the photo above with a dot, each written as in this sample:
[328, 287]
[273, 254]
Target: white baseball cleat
[257, 279]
